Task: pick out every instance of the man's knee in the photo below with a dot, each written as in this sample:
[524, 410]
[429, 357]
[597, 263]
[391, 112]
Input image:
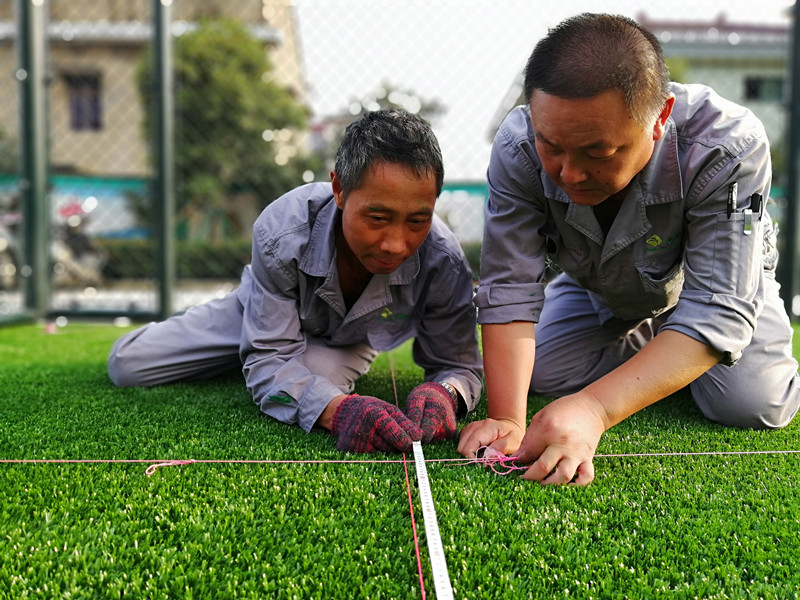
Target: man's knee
[120, 365]
[552, 383]
[341, 365]
[753, 405]
[135, 359]
[119, 376]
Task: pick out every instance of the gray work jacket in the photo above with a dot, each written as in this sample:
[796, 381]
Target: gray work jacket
[291, 291]
[683, 242]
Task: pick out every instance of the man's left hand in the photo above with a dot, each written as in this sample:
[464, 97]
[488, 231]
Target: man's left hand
[431, 407]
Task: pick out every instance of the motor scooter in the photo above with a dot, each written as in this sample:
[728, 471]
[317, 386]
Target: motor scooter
[9, 249]
[75, 260]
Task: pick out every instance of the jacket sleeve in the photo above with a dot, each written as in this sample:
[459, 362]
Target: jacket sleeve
[724, 254]
[272, 343]
[513, 252]
[446, 344]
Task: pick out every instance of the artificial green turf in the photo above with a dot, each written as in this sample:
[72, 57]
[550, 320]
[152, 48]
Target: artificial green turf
[649, 527]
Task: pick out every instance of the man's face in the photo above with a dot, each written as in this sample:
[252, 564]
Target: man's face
[386, 219]
[591, 147]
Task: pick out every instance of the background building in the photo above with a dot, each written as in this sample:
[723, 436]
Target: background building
[94, 49]
[745, 63]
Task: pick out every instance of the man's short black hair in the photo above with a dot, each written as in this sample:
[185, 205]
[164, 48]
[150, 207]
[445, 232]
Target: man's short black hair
[392, 136]
[590, 53]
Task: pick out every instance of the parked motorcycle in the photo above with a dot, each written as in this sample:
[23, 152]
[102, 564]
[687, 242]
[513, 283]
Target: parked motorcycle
[75, 260]
[9, 249]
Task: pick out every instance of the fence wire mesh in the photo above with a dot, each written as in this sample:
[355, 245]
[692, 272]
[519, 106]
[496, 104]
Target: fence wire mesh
[263, 90]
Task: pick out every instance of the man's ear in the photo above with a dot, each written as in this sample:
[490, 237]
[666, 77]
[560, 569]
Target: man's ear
[661, 123]
[338, 195]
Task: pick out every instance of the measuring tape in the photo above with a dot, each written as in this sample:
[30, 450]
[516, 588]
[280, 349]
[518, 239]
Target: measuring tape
[441, 578]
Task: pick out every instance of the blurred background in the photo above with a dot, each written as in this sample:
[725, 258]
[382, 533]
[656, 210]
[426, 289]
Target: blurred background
[139, 139]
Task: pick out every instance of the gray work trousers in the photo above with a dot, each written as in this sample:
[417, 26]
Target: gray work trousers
[203, 342]
[573, 349]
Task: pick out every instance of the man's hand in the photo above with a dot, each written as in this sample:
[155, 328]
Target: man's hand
[368, 424]
[433, 409]
[503, 435]
[562, 439]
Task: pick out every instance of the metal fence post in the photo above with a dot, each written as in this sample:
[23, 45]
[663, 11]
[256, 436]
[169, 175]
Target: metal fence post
[31, 74]
[788, 264]
[163, 150]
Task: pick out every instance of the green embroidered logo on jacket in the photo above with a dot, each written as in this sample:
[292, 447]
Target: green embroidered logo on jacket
[654, 242]
[388, 315]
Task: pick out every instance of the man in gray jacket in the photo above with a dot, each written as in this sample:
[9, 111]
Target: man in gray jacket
[650, 197]
[339, 272]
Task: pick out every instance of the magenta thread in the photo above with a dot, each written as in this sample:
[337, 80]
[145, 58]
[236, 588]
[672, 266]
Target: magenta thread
[499, 463]
[155, 464]
[172, 463]
[495, 460]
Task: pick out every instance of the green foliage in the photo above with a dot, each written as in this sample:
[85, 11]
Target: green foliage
[9, 153]
[135, 259]
[382, 97]
[226, 98]
[472, 250]
[678, 67]
[714, 527]
[128, 259]
[388, 95]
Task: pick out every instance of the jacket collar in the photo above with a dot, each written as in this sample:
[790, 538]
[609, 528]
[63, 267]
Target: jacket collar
[660, 180]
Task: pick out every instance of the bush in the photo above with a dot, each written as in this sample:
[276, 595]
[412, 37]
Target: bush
[472, 250]
[136, 259]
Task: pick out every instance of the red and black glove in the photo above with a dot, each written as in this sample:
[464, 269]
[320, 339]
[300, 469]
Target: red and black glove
[368, 424]
[431, 406]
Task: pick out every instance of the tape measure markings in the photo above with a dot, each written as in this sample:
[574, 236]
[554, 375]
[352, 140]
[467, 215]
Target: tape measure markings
[441, 577]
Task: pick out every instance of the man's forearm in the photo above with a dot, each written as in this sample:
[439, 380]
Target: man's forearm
[669, 362]
[508, 355]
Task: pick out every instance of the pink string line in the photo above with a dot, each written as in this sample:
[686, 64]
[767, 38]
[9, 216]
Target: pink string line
[492, 459]
[156, 464]
[710, 453]
[495, 460]
[414, 529]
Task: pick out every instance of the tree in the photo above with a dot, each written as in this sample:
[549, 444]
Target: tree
[382, 97]
[678, 67]
[228, 108]
[387, 95]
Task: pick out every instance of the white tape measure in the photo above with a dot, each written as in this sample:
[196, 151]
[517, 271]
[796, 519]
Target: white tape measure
[441, 578]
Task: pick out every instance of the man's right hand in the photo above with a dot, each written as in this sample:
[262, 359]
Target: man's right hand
[503, 435]
[368, 424]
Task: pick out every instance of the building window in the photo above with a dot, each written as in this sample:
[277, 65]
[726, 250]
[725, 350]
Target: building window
[766, 89]
[85, 105]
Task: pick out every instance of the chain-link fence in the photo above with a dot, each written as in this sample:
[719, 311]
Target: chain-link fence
[262, 90]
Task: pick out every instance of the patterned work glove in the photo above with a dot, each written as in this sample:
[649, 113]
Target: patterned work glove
[368, 424]
[432, 407]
